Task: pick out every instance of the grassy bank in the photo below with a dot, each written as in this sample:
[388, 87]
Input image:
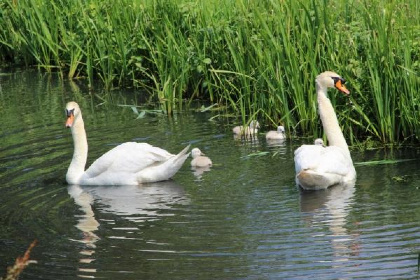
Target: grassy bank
[259, 58]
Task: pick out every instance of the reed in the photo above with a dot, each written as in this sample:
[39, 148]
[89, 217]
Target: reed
[259, 59]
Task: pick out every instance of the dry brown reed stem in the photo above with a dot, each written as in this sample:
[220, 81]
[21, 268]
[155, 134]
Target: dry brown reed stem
[21, 263]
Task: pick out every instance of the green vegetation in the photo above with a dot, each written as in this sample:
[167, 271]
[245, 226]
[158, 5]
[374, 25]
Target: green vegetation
[255, 58]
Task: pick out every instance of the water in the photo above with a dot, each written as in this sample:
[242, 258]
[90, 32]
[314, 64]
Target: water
[243, 219]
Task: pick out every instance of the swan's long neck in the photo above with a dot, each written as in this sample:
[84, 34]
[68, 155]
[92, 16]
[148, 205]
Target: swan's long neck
[329, 120]
[78, 163]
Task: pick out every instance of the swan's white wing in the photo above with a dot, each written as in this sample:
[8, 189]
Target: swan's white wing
[335, 161]
[127, 158]
[329, 159]
[307, 157]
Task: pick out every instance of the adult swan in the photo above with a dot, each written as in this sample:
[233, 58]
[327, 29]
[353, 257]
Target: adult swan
[130, 163]
[319, 167]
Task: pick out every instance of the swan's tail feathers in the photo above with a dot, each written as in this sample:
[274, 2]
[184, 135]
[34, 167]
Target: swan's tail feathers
[184, 152]
[175, 163]
[165, 170]
[312, 180]
[180, 158]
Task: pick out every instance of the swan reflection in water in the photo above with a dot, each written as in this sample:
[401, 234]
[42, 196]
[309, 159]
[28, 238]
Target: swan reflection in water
[199, 171]
[134, 202]
[276, 142]
[331, 207]
[88, 225]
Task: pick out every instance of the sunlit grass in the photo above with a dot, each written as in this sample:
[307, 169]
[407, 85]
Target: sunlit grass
[258, 59]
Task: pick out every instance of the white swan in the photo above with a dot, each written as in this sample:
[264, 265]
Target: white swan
[199, 159]
[130, 163]
[250, 130]
[279, 134]
[319, 167]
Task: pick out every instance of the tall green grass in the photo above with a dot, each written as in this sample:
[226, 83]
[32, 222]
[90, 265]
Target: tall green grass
[259, 59]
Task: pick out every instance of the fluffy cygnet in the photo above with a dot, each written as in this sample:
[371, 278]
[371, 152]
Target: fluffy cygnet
[247, 131]
[199, 159]
[279, 134]
[319, 142]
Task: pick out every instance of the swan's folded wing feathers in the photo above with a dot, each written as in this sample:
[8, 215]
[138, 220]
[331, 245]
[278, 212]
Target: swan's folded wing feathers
[329, 159]
[333, 160]
[307, 157]
[129, 157]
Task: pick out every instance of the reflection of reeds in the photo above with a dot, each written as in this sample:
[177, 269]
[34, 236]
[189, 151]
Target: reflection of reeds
[14, 271]
[259, 58]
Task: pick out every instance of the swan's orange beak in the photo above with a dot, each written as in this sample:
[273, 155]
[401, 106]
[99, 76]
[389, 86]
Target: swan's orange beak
[340, 86]
[70, 119]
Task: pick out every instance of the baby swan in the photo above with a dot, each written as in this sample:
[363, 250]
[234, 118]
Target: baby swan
[250, 130]
[199, 159]
[319, 142]
[279, 134]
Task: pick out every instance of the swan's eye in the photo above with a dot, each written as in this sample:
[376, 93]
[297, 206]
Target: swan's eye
[69, 112]
[336, 79]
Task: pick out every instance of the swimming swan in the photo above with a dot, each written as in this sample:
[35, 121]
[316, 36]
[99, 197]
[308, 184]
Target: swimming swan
[319, 167]
[199, 159]
[130, 163]
[279, 134]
